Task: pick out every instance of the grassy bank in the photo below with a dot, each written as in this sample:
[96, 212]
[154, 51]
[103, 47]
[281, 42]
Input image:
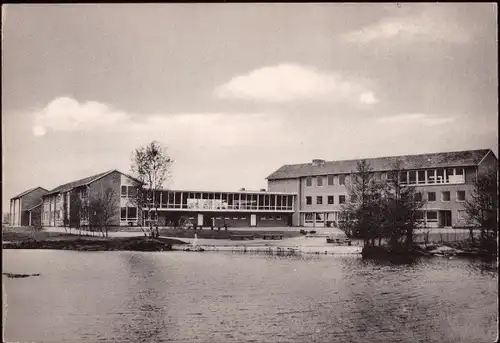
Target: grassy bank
[24, 238]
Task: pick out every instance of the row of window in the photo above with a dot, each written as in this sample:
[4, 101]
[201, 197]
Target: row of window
[331, 180]
[445, 196]
[431, 197]
[330, 199]
[411, 177]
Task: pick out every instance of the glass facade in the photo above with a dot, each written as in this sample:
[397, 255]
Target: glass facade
[225, 201]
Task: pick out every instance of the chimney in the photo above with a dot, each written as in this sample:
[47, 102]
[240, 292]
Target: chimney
[242, 189]
[262, 189]
[318, 162]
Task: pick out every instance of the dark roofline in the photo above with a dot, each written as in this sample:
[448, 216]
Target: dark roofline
[20, 195]
[98, 177]
[368, 159]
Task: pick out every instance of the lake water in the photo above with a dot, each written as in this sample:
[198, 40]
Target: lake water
[224, 297]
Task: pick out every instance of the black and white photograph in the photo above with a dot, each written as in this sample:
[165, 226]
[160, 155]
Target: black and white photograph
[250, 172]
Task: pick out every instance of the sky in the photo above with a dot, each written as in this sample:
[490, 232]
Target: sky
[234, 91]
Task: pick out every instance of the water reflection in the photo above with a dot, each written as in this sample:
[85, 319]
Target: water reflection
[225, 297]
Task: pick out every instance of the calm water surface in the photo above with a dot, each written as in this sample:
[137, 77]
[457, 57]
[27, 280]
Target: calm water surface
[224, 297]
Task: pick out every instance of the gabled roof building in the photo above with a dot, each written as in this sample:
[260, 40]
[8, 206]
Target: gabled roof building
[22, 204]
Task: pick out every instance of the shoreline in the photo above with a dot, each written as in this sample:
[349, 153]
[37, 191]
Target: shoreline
[16, 238]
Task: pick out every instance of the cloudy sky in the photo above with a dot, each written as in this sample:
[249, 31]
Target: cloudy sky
[237, 90]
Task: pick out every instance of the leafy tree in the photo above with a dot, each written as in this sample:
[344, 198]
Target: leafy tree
[151, 165]
[481, 207]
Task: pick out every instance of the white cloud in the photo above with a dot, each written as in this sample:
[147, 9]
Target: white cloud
[66, 114]
[416, 119]
[194, 129]
[368, 98]
[293, 82]
[434, 23]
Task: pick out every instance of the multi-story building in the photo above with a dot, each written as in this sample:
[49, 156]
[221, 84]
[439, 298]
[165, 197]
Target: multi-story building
[62, 198]
[24, 206]
[444, 180]
[198, 208]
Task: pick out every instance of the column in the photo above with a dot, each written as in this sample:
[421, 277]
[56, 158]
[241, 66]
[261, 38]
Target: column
[182, 196]
[239, 203]
[293, 203]
[276, 202]
[161, 199]
[168, 199]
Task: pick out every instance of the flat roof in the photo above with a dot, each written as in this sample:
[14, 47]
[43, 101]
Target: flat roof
[228, 192]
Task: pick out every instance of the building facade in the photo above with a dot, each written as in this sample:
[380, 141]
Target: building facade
[219, 209]
[22, 204]
[63, 205]
[444, 180]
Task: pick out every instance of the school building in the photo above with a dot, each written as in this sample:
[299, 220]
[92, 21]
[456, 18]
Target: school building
[309, 194]
[444, 180]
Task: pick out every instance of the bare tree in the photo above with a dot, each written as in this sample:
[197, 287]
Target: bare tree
[103, 208]
[400, 207]
[481, 207]
[151, 165]
[362, 213]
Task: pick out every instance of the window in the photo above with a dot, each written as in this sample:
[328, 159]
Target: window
[308, 218]
[271, 217]
[319, 181]
[132, 213]
[419, 216]
[431, 196]
[330, 199]
[418, 196]
[124, 191]
[461, 214]
[341, 179]
[278, 217]
[308, 181]
[412, 177]
[445, 196]
[319, 200]
[421, 177]
[308, 200]
[330, 180]
[431, 176]
[235, 218]
[460, 195]
[403, 177]
[132, 191]
[341, 199]
[440, 176]
[320, 217]
[263, 218]
[123, 215]
[449, 172]
[432, 216]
